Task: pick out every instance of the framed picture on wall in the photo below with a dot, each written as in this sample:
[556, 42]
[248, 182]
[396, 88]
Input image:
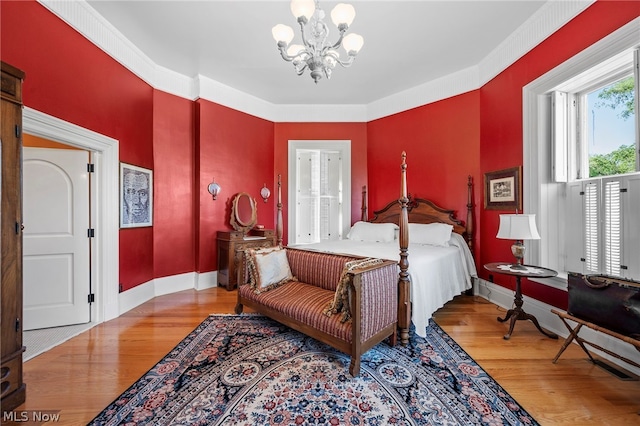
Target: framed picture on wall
[503, 189]
[136, 196]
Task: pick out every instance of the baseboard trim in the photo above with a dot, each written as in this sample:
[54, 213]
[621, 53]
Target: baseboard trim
[165, 285]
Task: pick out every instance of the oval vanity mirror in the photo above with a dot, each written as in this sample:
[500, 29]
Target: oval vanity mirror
[244, 213]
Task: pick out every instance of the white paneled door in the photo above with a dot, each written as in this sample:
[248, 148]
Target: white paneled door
[56, 246]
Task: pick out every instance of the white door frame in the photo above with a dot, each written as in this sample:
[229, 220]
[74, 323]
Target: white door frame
[104, 201]
[344, 146]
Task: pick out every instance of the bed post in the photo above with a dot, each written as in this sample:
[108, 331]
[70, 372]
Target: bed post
[404, 288]
[279, 216]
[364, 215]
[469, 224]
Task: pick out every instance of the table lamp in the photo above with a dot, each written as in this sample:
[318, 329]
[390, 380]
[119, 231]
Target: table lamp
[518, 227]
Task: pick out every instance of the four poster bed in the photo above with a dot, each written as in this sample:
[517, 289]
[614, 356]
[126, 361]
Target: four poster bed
[441, 265]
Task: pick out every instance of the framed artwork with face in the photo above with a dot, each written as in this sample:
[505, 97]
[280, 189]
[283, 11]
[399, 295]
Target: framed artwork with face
[136, 196]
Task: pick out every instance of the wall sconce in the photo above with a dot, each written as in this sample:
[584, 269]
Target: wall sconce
[214, 189]
[265, 193]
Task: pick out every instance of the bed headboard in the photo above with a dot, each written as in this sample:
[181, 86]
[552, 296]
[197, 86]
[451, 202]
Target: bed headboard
[420, 210]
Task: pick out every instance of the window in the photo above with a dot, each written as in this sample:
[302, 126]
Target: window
[594, 121]
[595, 151]
[551, 189]
[610, 135]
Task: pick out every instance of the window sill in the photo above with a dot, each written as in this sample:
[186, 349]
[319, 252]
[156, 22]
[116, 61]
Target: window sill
[559, 281]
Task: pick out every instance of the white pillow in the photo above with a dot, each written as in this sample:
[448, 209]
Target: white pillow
[435, 234]
[373, 232]
[269, 268]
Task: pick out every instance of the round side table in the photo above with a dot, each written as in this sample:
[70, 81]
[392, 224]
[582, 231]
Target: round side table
[520, 271]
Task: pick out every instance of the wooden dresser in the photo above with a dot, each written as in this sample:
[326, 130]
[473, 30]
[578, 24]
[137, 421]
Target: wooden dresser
[231, 244]
[13, 388]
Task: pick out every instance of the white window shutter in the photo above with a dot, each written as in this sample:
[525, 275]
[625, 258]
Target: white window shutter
[631, 226]
[559, 136]
[330, 208]
[574, 229]
[307, 207]
[591, 204]
[612, 226]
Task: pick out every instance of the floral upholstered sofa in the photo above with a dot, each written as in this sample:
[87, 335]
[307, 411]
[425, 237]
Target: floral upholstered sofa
[347, 302]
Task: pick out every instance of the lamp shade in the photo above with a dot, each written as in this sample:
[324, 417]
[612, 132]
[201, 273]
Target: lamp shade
[304, 8]
[282, 33]
[353, 43]
[518, 227]
[343, 14]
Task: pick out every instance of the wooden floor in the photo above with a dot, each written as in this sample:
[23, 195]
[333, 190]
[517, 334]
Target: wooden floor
[83, 375]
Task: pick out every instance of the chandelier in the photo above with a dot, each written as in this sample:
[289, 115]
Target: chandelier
[318, 54]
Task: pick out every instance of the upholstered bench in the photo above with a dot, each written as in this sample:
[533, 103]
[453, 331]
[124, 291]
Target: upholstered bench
[347, 302]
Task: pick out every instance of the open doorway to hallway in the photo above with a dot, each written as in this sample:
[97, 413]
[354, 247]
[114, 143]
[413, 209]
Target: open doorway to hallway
[104, 196]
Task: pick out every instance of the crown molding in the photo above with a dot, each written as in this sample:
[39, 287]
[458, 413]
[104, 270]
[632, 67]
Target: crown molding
[320, 113]
[84, 19]
[214, 91]
[441, 88]
[552, 16]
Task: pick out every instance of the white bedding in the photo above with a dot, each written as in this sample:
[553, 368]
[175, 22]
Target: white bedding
[437, 274]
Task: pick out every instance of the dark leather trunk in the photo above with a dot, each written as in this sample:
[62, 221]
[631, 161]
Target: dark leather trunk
[610, 302]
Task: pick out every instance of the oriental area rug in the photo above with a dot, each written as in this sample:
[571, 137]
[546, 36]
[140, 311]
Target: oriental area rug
[250, 370]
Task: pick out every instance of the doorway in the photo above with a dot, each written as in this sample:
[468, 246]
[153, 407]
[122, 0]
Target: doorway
[319, 190]
[56, 245]
[104, 196]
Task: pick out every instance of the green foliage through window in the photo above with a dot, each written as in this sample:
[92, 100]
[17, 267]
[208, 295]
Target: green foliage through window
[619, 94]
[622, 160]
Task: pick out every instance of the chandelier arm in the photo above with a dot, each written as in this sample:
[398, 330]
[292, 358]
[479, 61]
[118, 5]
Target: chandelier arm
[301, 66]
[305, 42]
[339, 42]
[286, 57]
[283, 52]
[347, 63]
[300, 71]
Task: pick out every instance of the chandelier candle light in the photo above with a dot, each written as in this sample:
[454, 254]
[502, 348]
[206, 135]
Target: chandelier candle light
[518, 227]
[317, 53]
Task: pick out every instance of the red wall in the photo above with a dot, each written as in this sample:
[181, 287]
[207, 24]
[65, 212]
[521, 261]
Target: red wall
[189, 143]
[70, 78]
[501, 116]
[355, 132]
[235, 149]
[174, 164]
[442, 145]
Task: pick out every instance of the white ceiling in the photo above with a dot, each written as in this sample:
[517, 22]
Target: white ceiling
[407, 43]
